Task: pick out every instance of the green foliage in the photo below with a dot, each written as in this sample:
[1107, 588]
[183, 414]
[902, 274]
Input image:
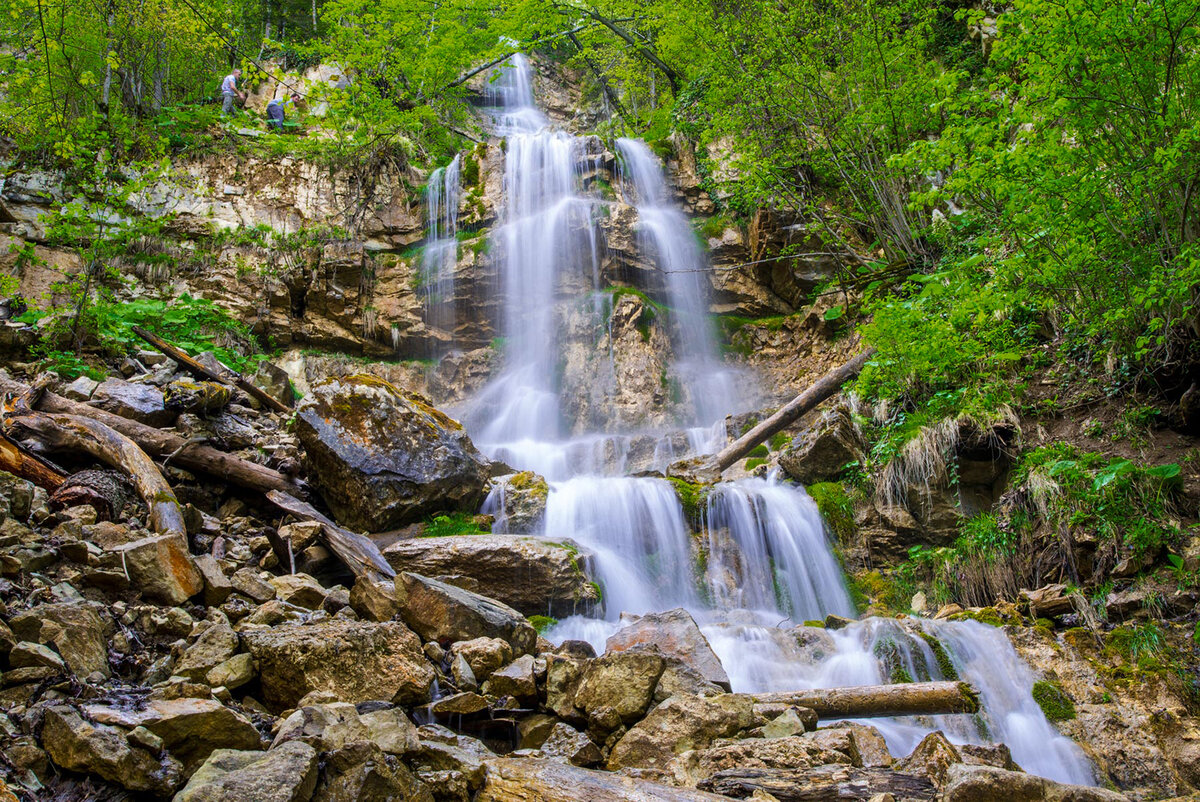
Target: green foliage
[1055, 703]
[542, 622]
[451, 524]
[941, 657]
[759, 450]
[754, 462]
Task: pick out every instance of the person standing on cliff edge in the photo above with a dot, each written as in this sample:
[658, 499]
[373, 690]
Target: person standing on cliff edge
[229, 91]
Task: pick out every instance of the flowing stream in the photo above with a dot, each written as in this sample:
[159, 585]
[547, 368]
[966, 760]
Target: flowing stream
[761, 564]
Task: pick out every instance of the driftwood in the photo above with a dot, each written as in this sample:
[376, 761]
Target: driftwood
[869, 701]
[73, 432]
[824, 387]
[197, 369]
[359, 554]
[20, 462]
[187, 454]
[819, 784]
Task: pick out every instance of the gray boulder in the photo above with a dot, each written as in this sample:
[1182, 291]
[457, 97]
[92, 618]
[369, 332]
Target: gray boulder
[382, 457]
[285, 774]
[821, 452]
[440, 612]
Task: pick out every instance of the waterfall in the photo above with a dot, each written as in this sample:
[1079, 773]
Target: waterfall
[755, 562]
[666, 234]
[441, 251]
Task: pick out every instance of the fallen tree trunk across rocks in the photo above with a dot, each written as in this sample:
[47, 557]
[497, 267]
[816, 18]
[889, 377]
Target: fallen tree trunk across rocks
[19, 462]
[69, 432]
[194, 456]
[869, 701]
[792, 411]
[200, 370]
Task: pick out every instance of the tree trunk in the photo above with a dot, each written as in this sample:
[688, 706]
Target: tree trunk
[825, 386]
[869, 701]
[196, 368]
[70, 432]
[20, 462]
[359, 553]
[186, 453]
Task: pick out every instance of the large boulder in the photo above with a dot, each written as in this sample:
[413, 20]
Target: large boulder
[519, 502]
[143, 403]
[79, 745]
[820, 453]
[382, 457]
[76, 632]
[510, 780]
[532, 575]
[965, 783]
[189, 728]
[285, 774]
[355, 661]
[444, 613]
[679, 724]
[161, 568]
[364, 773]
[673, 633]
[624, 682]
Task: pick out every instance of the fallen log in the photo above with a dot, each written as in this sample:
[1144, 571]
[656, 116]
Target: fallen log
[870, 701]
[196, 368]
[824, 387]
[188, 454]
[71, 432]
[20, 462]
[359, 553]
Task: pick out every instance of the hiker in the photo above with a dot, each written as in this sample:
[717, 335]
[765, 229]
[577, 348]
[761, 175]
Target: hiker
[229, 91]
[275, 111]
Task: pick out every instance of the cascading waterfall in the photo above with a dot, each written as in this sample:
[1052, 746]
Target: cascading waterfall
[763, 564]
[666, 233]
[441, 251]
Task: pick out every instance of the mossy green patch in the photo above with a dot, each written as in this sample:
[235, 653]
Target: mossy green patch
[945, 665]
[542, 622]
[692, 497]
[1053, 700]
[836, 508]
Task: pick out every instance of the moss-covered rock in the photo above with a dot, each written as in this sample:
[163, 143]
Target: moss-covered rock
[1053, 700]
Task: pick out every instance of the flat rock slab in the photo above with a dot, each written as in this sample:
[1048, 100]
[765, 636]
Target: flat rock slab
[536, 576]
[510, 780]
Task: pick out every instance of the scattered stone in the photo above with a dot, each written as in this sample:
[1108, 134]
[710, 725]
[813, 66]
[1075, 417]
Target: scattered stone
[161, 568]
[232, 673]
[516, 679]
[483, 655]
[325, 727]
[533, 575]
[365, 773]
[391, 730]
[217, 586]
[74, 630]
[624, 681]
[197, 397]
[792, 721]
[81, 389]
[214, 646]
[526, 779]
[299, 589]
[569, 744]
[966, 783]
[285, 774]
[28, 655]
[932, 758]
[250, 583]
[821, 452]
